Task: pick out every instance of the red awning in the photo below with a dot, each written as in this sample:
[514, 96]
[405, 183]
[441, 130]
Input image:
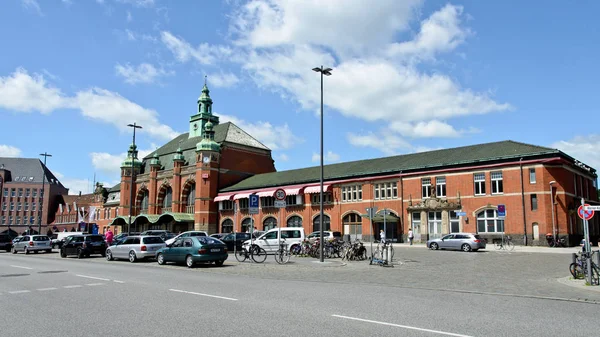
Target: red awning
[266, 193]
[241, 196]
[293, 191]
[316, 189]
[223, 197]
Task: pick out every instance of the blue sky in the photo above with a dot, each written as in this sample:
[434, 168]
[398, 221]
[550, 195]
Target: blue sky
[408, 76]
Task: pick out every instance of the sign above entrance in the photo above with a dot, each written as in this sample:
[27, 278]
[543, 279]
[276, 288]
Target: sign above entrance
[584, 212]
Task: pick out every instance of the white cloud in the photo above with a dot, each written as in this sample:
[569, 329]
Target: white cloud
[433, 128]
[143, 73]
[24, 93]
[223, 80]
[582, 148]
[139, 3]
[386, 142]
[32, 5]
[133, 36]
[274, 137]
[111, 163]
[283, 157]
[129, 16]
[9, 151]
[330, 157]
[183, 51]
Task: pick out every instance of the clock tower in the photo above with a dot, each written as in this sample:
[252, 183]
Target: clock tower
[208, 157]
[204, 113]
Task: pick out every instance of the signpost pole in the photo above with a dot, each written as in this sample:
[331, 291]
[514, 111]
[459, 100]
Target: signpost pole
[235, 219]
[370, 211]
[586, 234]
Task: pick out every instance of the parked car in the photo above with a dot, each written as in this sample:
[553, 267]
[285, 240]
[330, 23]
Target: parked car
[240, 238]
[61, 237]
[134, 248]
[32, 243]
[269, 241]
[458, 241]
[327, 235]
[192, 250]
[185, 235]
[5, 242]
[218, 235]
[164, 234]
[83, 245]
[122, 236]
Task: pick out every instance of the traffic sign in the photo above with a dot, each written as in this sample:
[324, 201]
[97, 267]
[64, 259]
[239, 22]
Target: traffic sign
[585, 214]
[253, 204]
[371, 211]
[280, 203]
[501, 210]
[592, 208]
[280, 194]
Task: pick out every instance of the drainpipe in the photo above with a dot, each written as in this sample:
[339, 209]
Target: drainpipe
[523, 204]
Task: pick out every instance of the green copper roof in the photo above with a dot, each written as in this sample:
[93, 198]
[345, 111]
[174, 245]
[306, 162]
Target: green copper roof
[132, 154]
[155, 160]
[474, 154]
[205, 96]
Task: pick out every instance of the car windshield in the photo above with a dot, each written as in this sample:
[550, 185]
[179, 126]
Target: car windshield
[95, 238]
[207, 240]
[152, 240]
[239, 236]
[39, 238]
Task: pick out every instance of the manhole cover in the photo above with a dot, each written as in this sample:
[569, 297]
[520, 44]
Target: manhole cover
[13, 275]
[52, 271]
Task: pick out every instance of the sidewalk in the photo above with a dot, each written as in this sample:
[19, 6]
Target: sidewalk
[518, 249]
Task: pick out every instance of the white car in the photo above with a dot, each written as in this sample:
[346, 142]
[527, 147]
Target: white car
[186, 235]
[269, 241]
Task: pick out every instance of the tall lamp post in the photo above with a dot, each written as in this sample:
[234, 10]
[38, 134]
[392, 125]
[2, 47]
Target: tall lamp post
[552, 208]
[326, 72]
[46, 155]
[134, 126]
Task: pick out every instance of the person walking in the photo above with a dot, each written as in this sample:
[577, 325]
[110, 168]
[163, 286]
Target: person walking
[109, 237]
[382, 236]
[410, 236]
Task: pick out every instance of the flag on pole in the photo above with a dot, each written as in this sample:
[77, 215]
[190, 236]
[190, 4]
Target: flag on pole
[60, 206]
[80, 215]
[92, 215]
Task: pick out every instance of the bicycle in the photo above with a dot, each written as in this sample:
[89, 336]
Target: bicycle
[257, 254]
[505, 243]
[282, 256]
[381, 250]
[578, 269]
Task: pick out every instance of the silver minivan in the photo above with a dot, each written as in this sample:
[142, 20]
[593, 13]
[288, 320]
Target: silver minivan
[135, 247]
[32, 243]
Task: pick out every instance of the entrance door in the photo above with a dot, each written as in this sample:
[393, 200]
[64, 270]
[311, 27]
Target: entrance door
[454, 222]
[434, 221]
[353, 226]
[416, 226]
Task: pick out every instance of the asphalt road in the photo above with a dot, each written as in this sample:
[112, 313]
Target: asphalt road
[425, 294]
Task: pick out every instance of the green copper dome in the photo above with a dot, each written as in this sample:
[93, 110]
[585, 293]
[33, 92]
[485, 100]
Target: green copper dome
[179, 155]
[155, 161]
[208, 126]
[132, 156]
[208, 145]
[205, 96]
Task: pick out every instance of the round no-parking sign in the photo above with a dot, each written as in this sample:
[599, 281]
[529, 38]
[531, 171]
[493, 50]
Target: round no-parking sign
[585, 214]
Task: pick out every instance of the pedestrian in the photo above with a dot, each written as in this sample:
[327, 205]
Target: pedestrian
[109, 237]
[410, 236]
[382, 236]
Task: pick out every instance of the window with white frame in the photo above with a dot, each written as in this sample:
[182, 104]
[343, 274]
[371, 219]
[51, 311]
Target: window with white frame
[534, 202]
[13, 193]
[243, 203]
[479, 181]
[425, 188]
[267, 202]
[116, 212]
[226, 205]
[440, 186]
[387, 190]
[12, 206]
[352, 193]
[27, 206]
[20, 192]
[27, 193]
[4, 206]
[33, 206]
[327, 198]
[497, 186]
[34, 193]
[291, 200]
[6, 192]
[532, 175]
[488, 222]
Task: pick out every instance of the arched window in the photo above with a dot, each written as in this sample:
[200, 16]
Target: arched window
[246, 224]
[353, 225]
[488, 222]
[269, 223]
[317, 223]
[190, 200]
[167, 200]
[144, 203]
[294, 221]
[227, 226]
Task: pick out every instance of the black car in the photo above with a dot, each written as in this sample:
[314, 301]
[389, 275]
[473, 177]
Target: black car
[239, 239]
[5, 242]
[164, 234]
[83, 245]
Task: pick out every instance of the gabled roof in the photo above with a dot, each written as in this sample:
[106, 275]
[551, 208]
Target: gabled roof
[116, 188]
[81, 200]
[465, 155]
[226, 132]
[32, 169]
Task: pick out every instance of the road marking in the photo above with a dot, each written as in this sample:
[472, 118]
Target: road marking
[19, 292]
[94, 284]
[75, 286]
[46, 289]
[402, 326]
[94, 278]
[118, 281]
[199, 294]
[21, 267]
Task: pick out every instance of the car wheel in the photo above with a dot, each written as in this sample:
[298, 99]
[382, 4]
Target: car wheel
[35, 251]
[109, 256]
[189, 261]
[160, 259]
[80, 254]
[48, 250]
[132, 257]
[26, 250]
[14, 250]
[63, 254]
[219, 263]
[434, 246]
[466, 247]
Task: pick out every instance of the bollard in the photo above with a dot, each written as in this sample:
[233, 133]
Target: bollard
[573, 257]
[597, 257]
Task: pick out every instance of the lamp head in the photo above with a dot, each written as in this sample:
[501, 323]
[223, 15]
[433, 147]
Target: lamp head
[552, 182]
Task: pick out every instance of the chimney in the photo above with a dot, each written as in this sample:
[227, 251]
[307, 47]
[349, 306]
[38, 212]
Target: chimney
[79, 193]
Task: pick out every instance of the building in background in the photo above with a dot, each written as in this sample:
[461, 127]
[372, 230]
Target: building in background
[23, 203]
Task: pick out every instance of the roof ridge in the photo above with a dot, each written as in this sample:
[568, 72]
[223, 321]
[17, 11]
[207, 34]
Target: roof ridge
[249, 135]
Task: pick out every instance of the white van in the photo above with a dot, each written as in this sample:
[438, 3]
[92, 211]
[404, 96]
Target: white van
[268, 241]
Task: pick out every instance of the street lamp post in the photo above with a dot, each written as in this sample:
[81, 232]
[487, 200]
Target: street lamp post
[46, 155]
[134, 126]
[552, 208]
[326, 72]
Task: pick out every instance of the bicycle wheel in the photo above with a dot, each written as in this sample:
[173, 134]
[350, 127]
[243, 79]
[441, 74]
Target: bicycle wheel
[576, 271]
[259, 255]
[498, 244]
[509, 245]
[241, 255]
[595, 275]
[282, 257]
